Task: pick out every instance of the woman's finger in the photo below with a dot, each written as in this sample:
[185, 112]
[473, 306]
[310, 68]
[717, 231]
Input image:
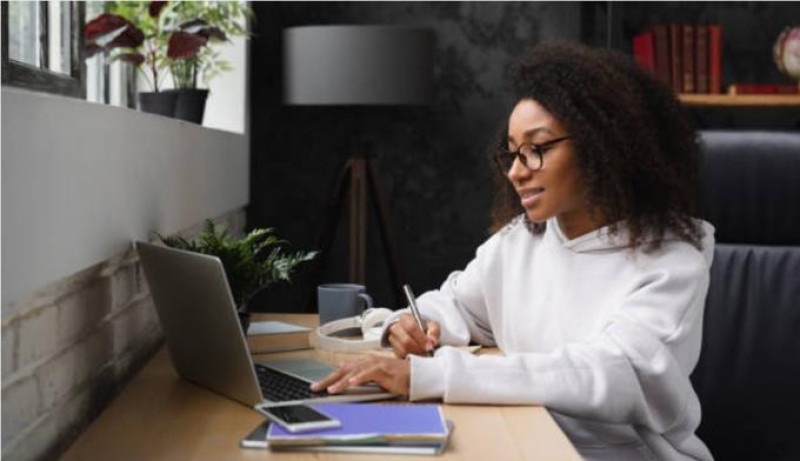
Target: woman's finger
[410, 345]
[372, 373]
[399, 350]
[328, 380]
[391, 374]
[412, 329]
[434, 333]
[342, 383]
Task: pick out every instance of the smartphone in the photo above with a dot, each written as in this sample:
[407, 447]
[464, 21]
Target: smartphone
[299, 418]
[257, 438]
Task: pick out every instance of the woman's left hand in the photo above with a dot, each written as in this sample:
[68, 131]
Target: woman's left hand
[390, 373]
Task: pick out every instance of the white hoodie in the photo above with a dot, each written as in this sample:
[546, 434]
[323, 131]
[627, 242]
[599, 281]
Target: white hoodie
[605, 338]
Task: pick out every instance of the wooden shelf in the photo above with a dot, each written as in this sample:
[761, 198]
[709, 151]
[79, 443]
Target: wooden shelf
[744, 100]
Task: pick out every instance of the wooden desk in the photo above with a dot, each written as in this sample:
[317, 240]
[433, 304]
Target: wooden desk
[160, 416]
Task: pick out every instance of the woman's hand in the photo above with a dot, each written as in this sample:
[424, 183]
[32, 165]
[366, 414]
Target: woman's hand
[391, 374]
[406, 337]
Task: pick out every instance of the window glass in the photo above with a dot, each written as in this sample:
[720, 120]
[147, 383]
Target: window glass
[95, 66]
[59, 35]
[23, 33]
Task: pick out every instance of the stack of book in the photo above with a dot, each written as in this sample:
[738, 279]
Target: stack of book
[417, 429]
[687, 57]
[274, 336]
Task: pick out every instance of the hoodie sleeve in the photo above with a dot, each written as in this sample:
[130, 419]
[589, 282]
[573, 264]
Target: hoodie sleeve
[458, 305]
[635, 370]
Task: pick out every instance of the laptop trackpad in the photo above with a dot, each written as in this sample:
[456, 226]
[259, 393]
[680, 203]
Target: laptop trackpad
[308, 369]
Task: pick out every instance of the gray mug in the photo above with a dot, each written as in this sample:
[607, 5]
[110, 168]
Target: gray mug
[341, 300]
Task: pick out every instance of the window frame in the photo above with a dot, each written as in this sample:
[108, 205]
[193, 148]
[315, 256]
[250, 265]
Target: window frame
[42, 79]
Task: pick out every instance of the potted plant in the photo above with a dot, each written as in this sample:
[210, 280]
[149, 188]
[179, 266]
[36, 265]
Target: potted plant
[251, 264]
[192, 59]
[168, 38]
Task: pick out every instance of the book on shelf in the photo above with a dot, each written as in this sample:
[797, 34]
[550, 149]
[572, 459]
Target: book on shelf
[687, 58]
[701, 58]
[661, 51]
[762, 88]
[675, 57]
[371, 427]
[644, 51]
[714, 59]
[273, 336]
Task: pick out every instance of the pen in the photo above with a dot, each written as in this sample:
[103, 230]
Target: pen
[412, 302]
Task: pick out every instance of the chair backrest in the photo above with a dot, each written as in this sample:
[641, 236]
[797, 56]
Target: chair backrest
[748, 376]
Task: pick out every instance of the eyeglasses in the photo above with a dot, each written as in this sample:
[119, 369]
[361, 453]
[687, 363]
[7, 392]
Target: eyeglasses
[531, 155]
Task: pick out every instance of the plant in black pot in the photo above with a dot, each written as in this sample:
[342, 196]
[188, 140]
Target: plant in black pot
[193, 59]
[251, 264]
[168, 38]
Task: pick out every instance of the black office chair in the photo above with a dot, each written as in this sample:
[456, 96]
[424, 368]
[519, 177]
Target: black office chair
[748, 376]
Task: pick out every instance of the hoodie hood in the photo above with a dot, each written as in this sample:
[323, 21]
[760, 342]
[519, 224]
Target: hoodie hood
[601, 240]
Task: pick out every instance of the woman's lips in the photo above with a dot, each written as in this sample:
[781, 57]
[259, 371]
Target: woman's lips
[529, 197]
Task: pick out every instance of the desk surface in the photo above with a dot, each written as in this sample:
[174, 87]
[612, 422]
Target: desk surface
[160, 416]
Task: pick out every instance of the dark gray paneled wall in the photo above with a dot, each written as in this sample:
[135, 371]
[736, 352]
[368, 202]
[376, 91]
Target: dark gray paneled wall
[432, 159]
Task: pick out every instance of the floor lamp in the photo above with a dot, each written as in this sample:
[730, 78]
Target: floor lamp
[358, 66]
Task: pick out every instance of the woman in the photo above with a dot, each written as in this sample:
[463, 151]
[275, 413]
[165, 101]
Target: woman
[593, 285]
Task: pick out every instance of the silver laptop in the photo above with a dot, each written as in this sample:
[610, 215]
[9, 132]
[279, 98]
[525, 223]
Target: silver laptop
[206, 342]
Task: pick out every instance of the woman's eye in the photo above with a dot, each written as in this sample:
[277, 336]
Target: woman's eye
[545, 147]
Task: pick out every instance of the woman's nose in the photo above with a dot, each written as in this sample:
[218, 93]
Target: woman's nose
[518, 171]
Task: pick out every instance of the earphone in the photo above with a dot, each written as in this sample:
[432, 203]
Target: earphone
[370, 322]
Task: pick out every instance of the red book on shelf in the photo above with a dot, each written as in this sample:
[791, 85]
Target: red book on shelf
[643, 51]
[701, 58]
[714, 59]
[761, 88]
[687, 63]
[661, 49]
[675, 54]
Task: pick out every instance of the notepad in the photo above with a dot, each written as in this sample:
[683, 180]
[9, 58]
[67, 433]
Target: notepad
[371, 425]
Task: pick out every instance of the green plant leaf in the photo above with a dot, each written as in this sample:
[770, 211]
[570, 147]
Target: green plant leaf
[246, 269]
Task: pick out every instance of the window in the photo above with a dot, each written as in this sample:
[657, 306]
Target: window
[108, 82]
[42, 46]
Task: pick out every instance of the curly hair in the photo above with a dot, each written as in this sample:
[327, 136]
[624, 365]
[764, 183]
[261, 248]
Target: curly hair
[636, 151]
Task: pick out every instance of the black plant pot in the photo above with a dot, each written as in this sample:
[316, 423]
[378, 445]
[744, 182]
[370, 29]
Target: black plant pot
[191, 105]
[161, 103]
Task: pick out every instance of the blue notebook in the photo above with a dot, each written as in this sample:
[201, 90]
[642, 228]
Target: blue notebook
[371, 424]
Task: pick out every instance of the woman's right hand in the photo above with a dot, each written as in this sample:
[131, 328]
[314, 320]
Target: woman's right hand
[406, 337]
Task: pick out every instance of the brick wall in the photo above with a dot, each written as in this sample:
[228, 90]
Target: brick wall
[69, 348]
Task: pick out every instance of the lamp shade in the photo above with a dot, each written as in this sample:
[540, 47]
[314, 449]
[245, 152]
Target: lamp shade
[357, 65]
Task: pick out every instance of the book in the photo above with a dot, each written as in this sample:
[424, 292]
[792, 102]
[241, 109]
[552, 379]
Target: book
[714, 59]
[399, 448]
[371, 425]
[761, 88]
[675, 54]
[687, 61]
[267, 337]
[661, 51]
[643, 51]
[701, 58]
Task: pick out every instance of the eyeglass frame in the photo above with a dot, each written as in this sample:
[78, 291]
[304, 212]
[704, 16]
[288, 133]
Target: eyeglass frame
[539, 149]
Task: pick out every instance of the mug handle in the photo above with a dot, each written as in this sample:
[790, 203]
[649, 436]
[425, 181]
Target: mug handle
[367, 301]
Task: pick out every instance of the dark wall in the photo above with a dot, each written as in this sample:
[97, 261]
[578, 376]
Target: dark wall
[432, 159]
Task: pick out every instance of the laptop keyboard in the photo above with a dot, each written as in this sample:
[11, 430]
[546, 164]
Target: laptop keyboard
[280, 387]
